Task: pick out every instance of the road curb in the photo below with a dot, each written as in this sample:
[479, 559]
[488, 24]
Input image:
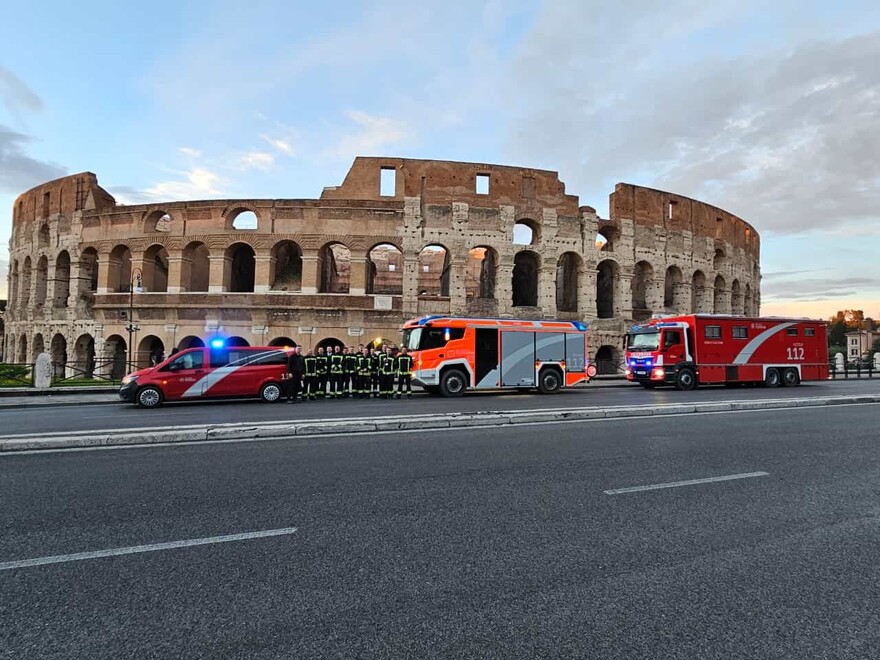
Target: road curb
[312, 428]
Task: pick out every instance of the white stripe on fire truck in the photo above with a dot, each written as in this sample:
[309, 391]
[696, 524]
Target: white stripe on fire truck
[749, 349]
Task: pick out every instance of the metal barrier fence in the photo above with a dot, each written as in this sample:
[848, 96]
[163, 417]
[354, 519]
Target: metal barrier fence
[857, 369]
[105, 371]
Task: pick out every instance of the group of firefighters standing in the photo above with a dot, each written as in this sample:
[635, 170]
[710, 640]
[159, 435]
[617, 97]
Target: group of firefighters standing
[348, 372]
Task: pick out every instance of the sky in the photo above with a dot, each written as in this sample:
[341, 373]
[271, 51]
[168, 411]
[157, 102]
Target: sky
[768, 110]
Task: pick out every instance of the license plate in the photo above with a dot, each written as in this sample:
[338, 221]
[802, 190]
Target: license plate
[640, 372]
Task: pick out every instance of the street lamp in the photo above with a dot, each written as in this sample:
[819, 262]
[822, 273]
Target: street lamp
[136, 281]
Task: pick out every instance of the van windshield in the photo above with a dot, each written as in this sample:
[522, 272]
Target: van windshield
[643, 341]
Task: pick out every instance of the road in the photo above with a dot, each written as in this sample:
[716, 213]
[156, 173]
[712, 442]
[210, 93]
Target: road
[480, 543]
[84, 416]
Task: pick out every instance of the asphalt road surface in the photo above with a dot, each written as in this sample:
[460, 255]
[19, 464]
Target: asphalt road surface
[477, 543]
[82, 416]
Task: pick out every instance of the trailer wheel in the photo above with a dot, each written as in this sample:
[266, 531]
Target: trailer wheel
[772, 379]
[791, 378]
[270, 392]
[149, 397]
[549, 381]
[453, 383]
[685, 379]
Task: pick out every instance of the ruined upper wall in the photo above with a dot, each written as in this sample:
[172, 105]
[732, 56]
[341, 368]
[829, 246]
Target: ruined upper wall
[657, 208]
[441, 182]
[63, 196]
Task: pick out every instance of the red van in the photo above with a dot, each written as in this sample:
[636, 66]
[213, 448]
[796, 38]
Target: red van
[210, 373]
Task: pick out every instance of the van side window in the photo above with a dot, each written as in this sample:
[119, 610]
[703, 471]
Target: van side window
[740, 332]
[194, 360]
[269, 357]
[713, 332]
[791, 332]
[809, 332]
[219, 358]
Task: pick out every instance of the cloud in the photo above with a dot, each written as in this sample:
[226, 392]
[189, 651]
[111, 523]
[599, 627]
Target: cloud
[281, 144]
[198, 183]
[18, 171]
[256, 160]
[794, 288]
[371, 136]
[17, 96]
[189, 152]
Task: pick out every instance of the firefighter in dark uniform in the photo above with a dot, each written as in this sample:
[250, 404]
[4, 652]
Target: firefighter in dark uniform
[365, 372]
[323, 372]
[404, 363]
[293, 381]
[374, 374]
[336, 368]
[349, 372]
[310, 371]
[386, 374]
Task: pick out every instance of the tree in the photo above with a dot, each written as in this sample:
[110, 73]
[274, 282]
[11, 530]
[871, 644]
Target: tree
[875, 347]
[837, 333]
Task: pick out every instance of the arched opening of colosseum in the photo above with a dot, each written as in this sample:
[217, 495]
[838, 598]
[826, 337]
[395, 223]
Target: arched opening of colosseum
[720, 260]
[334, 268]
[150, 352]
[158, 222]
[58, 348]
[119, 270]
[190, 341]
[237, 341]
[285, 271]
[329, 344]
[243, 220]
[482, 264]
[88, 272]
[674, 293]
[606, 238]
[38, 346]
[434, 266]
[701, 296]
[84, 356]
[385, 270]
[525, 232]
[282, 341]
[13, 285]
[42, 283]
[568, 282]
[240, 267]
[526, 266]
[22, 350]
[44, 237]
[607, 360]
[718, 303]
[607, 273]
[61, 287]
[643, 278]
[115, 361]
[155, 277]
[195, 270]
[748, 302]
[736, 298]
[26, 282]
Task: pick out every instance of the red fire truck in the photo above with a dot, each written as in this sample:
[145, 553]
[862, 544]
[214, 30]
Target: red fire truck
[698, 349]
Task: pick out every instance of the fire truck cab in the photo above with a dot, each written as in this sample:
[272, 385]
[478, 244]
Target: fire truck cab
[686, 351]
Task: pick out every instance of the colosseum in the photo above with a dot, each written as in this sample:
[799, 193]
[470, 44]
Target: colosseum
[90, 278]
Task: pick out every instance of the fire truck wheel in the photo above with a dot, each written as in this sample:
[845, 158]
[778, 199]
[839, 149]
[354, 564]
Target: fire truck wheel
[685, 379]
[790, 378]
[149, 397]
[453, 383]
[549, 381]
[270, 392]
[772, 378]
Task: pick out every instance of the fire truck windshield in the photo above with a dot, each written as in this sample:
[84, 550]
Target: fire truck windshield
[411, 338]
[643, 341]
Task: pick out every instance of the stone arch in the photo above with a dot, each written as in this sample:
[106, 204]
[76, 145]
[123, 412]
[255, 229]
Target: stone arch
[240, 268]
[14, 290]
[115, 357]
[434, 267]
[606, 238]
[61, 286]
[42, 281]
[282, 341]
[718, 303]
[22, 349]
[241, 217]
[285, 271]
[719, 261]
[150, 352]
[526, 232]
[607, 277]
[58, 349]
[736, 298]
[237, 341]
[331, 343]
[155, 271]
[44, 236]
[26, 282]
[38, 346]
[568, 269]
[607, 360]
[701, 295]
[748, 301]
[190, 341]
[158, 221]
[674, 292]
[88, 271]
[119, 269]
[385, 270]
[526, 267]
[84, 356]
[334, 268]
[481, 271]
[195, 269]
[643, 278]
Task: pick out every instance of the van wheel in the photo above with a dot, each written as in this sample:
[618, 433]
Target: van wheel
[685, 379]
[772, 379]
[453, 383]
[149, 397]
[549, 381]
[270, 392]
[790, 378]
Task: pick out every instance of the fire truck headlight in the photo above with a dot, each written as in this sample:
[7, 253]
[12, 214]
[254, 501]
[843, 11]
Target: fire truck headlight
[629, 372]
[657, 374]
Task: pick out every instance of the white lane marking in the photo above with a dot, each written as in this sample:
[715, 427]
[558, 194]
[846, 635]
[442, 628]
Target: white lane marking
[135, 549]
[690, 482]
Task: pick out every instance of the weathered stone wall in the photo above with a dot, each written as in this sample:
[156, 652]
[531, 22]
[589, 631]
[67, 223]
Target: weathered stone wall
[354, 264]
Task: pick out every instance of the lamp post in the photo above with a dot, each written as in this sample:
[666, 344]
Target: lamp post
[136, 281]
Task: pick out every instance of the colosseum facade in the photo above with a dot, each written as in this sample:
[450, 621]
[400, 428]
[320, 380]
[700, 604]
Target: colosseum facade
[399, 238]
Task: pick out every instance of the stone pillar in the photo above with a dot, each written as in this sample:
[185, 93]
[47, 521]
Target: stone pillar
[357, 277]
[310, 274]
[262, 271]
[655, 293]
[175, 273]
[457, 285]
[43, 371]
[217, 273]
[504, 285]
[587, 293]
[723, 301]
[623, 302]
[547, 290]
[681, 297]
[76, 274]
[103, 273]
[410, 300]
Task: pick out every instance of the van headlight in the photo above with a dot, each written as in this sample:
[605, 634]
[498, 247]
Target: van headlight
[129, 379]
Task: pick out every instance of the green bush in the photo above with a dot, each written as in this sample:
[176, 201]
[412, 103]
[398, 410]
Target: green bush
[14, 372]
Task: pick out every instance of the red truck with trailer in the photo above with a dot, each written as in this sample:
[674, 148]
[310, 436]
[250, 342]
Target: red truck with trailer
[709, 349]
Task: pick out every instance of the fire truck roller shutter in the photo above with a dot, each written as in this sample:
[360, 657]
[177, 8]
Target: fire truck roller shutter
[575, 353]
[518, 359]
[550, 346]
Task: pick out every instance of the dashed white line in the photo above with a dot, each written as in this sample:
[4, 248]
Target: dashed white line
[136, 549]
[690, 482]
